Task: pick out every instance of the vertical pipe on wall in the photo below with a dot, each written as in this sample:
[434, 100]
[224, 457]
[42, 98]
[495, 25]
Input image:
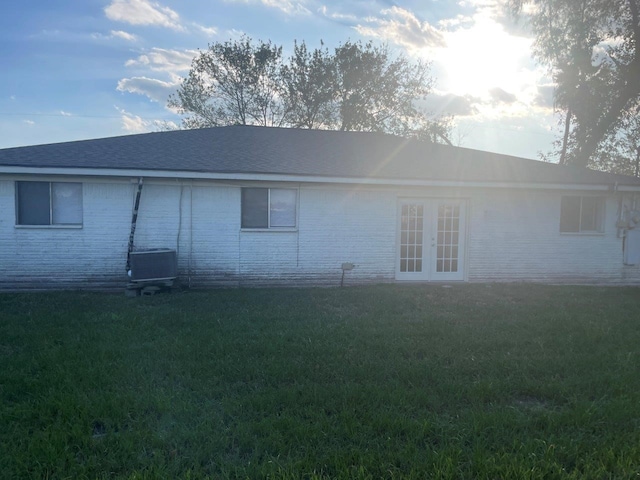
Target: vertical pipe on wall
[179, 222]
[190, 232]
[298, 227]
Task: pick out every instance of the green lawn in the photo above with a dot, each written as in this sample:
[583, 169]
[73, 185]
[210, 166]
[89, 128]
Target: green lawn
[419, 381]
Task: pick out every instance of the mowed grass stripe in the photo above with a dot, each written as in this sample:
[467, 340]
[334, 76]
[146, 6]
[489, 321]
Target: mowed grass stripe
[412, 381]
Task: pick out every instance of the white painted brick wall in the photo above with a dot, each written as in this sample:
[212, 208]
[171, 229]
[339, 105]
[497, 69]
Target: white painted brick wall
[513, 235]
[91, 256]
[355, 225]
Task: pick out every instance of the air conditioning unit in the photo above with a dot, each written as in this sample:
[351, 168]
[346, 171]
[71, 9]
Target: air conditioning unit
[153, 265]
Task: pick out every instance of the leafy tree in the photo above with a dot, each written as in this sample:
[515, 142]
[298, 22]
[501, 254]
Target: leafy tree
[377, 92]
[593, 50]
[310, 82]
[620, 152]
[358, 87]
[233, 83]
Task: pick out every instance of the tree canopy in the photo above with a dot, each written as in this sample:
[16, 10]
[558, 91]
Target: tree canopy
[358, 86]
[592, 48]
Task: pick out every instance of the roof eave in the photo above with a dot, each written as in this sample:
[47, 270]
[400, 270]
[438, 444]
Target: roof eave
[269, 177]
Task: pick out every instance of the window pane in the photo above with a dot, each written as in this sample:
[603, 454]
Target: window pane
[67, 203]
[283, 207]
[591, 218]
[570, 214]
[33, 203]
[255, 208]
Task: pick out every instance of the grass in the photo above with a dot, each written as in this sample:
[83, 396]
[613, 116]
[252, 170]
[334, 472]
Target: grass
[421, 381]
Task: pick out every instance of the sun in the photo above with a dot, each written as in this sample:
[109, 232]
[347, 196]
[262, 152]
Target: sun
[482, 57]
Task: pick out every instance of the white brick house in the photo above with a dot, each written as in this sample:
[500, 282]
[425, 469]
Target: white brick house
[267, 206]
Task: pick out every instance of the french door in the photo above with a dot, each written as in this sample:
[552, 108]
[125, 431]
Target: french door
[431, 239]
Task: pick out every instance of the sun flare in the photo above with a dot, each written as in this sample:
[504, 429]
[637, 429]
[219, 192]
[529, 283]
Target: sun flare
[484, 57]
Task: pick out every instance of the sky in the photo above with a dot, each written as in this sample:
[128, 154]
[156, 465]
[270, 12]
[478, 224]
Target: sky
[80, 69]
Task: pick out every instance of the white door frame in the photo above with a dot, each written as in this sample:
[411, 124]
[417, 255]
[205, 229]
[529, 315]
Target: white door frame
[431, 239]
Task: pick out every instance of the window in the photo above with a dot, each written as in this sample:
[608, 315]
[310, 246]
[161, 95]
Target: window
[269, 207]
[582, 214]
[48, 203]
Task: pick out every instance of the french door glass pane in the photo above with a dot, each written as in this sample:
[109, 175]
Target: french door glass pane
[411, 234]
[447, 235]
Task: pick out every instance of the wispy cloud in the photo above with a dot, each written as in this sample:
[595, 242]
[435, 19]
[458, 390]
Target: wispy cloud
[135, 124]
[342, 18]
[143, 12]
[29, 122]
[170, 65]
[65, 114]
[119, 34]
[208, 31]
[154, 89]
[403, 28]
[160, 59]
[440, 103]
[500, 95]
[130, 37]
[288, 7]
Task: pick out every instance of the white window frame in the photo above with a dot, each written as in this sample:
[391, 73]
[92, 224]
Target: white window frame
[599, 221]
[269, 227]
[51, 223]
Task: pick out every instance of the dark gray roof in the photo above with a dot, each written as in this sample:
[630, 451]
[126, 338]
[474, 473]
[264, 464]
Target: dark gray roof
[284, 151]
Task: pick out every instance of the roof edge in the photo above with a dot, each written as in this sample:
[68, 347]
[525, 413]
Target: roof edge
[191, 175]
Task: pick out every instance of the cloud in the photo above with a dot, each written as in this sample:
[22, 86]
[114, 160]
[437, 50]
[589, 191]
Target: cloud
[29, 122]
[130, 37]
[341, 18]
[502, 96]
[499, 12]
[450, 104]
[172, 63]
[456, 22]
[119, 34]
[288, 7]
[135, 124]
[65, 114]
[544, 96]
[208, 31]
[403, 28]
[154, 89]
[143, 12]
[160, 59]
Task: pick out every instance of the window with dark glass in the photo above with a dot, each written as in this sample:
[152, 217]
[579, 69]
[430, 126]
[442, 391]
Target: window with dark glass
[48, 203]
[580, 214]
[269, 207]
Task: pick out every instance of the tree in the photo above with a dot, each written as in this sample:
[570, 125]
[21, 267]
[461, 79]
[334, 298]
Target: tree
[377, 92]
[593, 50]
[233, 83]
[310, 88]
[620, 152]
[358, 87]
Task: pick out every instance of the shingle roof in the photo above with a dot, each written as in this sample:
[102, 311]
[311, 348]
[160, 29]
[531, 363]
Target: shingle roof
[283, 151]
